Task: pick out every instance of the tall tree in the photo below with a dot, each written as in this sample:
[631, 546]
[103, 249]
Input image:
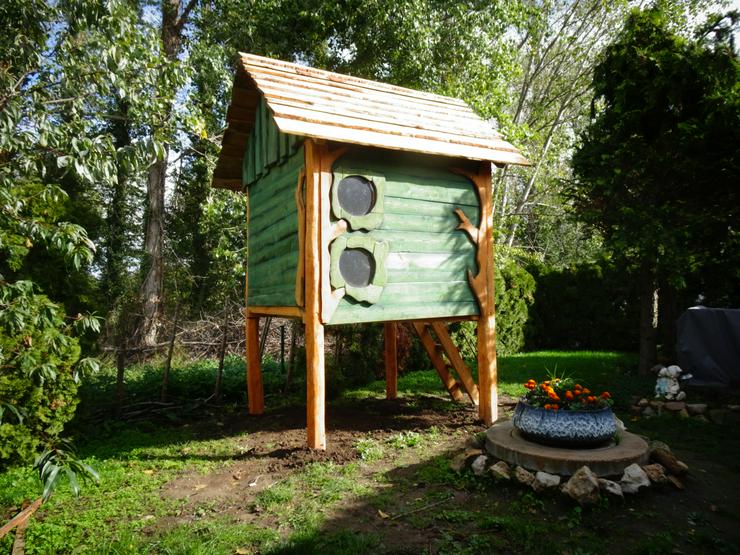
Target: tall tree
[175, 16]
[658, 166]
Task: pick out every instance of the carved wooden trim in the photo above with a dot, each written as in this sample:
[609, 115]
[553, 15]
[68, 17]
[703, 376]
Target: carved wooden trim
[301, 271]
[326, 156]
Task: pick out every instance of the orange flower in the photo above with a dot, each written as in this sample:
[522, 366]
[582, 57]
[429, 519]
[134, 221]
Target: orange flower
[554, 407]
[529, 386]
[578, 386]
[546, 382]
[591, 399]
[569, 395]
[554, 396]
[547, 407]
[606, 395]
[586, 391]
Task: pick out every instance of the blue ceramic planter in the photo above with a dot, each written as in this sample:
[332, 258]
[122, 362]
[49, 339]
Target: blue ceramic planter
[565, 428]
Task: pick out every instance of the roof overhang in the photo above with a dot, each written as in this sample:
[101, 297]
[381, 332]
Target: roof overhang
[315, 103]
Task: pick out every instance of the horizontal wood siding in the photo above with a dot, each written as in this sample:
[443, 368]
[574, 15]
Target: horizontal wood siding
[429, 258]
[273, 227]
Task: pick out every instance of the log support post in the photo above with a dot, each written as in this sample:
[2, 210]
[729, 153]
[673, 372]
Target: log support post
[391, 361]
[255, 391]
[315, 373]
[487, 362]
[483, 288]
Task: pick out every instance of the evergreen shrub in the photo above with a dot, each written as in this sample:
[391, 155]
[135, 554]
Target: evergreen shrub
[38, 381]
[587, 306]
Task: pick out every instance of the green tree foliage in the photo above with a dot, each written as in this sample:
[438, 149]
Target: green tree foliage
[60, 66]
[658, 166]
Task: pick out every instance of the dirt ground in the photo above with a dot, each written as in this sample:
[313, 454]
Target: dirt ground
[703, 518]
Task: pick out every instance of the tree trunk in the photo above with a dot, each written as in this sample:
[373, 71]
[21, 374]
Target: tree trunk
[648, 320]
[168, 362]
[221, 357]
[667, 324]
[152, 287]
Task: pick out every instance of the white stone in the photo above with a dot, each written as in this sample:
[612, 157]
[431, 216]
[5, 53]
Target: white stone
[523, 476]
[500, 471]
[655, 473]
[544, 480]
[479, 465]
[696, 408]
[610, 487]
[633, 479]
[583, 486]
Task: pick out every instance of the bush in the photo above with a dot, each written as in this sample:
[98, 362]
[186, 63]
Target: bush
[587, 306]
[38, 383]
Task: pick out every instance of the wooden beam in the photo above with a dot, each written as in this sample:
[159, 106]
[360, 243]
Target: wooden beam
[391, 360]
[255, 392]
[315, 376]
[456, 360]
[483, 287]
[453, 388]
[283, 311]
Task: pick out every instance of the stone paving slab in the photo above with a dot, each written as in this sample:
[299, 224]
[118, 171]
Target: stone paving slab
[504, 442]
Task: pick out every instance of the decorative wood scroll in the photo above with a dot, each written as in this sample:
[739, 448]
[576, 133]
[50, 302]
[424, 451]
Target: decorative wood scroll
[483, 287]
[328, 230]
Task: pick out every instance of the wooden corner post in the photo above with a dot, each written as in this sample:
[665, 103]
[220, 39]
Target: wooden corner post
[255, 391]
[487, 364]
[315, 374]
[391, 361]
[483, 288]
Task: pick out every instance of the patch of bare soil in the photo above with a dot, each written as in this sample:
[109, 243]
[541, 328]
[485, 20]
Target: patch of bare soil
[412, 514]
[275, 444]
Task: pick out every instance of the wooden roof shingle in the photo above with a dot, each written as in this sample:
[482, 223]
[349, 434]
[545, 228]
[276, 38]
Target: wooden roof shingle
[315, 103]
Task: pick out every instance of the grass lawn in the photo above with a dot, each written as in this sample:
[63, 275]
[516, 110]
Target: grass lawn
[211, 479]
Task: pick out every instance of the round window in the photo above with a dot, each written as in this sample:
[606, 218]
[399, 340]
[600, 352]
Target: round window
[357, 267]
[356, 195]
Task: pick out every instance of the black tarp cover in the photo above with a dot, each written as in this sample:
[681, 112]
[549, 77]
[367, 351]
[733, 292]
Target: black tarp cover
[709, 345]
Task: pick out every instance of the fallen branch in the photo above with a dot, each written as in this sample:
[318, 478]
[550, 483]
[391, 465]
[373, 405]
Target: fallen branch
[424, 508]
[21, 517]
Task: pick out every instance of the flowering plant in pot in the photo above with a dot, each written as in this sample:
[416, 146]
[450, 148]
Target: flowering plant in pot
[562, 412]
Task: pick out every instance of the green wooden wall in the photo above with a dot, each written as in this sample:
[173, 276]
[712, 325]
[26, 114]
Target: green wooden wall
[429, 258]
[272, 164]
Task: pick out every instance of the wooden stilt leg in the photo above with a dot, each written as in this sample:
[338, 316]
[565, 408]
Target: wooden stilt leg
[315, 380]
[255, 392]
[391, 361]
[487, 371]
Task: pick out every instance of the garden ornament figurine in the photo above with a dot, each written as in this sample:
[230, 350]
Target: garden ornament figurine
[667, 385]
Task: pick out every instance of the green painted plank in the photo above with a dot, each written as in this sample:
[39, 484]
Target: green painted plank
[278, 270]
[421, 292]
[276, 183]
[350, 312]
[286, 298]
[274, 233]
[440, 192]
[422, 165]
[277, 289]
[276, 212]
[414, 222]
[411, 262]
[393, 205]
[265, 252]
[417, 241]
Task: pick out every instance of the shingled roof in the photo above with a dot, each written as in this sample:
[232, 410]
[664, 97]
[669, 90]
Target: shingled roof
[311, 102]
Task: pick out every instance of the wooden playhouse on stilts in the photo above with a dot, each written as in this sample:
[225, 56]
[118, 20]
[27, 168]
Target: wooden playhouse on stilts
[367, 202]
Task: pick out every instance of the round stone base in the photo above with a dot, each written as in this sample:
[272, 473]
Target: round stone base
[504, 442]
